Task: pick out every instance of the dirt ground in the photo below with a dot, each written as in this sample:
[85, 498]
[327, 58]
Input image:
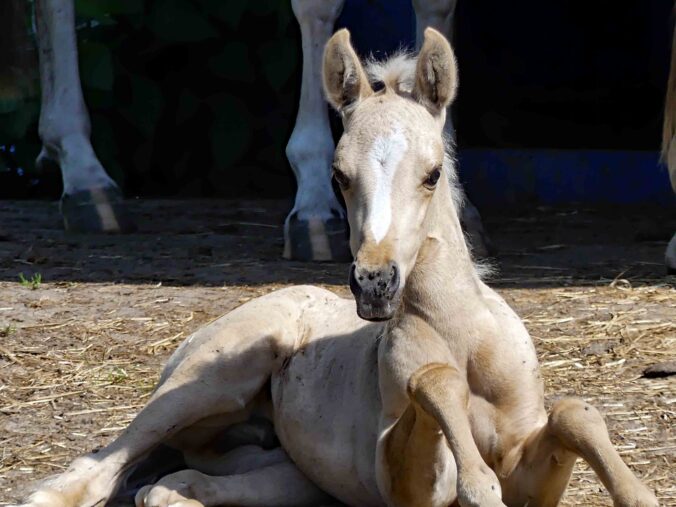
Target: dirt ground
[81, 348]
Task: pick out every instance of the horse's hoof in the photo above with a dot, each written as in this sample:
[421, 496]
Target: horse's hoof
[480, 243]
[95, 211]
[316, 240]
[670, 256]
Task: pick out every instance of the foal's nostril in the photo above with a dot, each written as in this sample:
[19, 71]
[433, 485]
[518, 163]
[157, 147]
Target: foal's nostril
[394, 275]
[377, 284]
[355, 283]
[376, 291]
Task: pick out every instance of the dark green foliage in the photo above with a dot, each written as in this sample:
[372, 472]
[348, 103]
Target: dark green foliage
[187, 97]
[97, 66]
[179, 21]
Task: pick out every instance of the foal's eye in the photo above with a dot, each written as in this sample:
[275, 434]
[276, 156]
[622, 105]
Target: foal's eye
[432, 178]
[342, 180]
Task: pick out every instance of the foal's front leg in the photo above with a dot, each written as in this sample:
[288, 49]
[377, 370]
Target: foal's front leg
[440, 391]
[574, 429]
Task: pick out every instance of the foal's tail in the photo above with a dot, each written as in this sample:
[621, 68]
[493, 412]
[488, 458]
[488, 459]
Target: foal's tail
[669, 128]
[17, 51]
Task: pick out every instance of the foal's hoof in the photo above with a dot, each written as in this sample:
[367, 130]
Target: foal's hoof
[96, 210]
[478, 486]
[636, 495]
[316, 240]
[175, 490]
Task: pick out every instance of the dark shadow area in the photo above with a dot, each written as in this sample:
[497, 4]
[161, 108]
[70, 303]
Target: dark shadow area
[198, 98]
[239, 242]
[564, 75]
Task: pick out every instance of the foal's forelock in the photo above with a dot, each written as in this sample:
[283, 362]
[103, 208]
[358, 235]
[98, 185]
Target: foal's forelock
[396, 74]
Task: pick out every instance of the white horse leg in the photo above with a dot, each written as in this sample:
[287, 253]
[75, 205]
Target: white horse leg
[91, 201]
[315, 228]
[439, 14]
[669, 145]
[669, 152]
[262, 479]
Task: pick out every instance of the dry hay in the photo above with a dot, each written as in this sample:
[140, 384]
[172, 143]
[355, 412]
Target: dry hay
[78, 361]
[71, 384]
[598, 352]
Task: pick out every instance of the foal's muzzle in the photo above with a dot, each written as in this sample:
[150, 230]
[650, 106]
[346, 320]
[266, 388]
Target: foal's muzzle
[376, 291]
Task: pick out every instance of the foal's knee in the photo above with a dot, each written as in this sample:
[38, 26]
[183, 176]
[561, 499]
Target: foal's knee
[571, 418]
[440, 379]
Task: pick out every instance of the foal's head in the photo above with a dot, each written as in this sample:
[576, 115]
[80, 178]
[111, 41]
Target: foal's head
[389, 162]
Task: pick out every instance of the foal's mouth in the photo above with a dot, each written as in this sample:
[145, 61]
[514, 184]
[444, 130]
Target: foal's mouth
[376, 311]
[376, 291]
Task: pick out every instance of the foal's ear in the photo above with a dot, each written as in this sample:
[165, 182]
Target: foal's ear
[436, 74]
[345, 81]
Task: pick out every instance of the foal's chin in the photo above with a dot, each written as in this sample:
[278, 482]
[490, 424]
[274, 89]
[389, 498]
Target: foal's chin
[377, 310]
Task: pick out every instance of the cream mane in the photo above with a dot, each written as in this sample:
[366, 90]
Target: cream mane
[396, 73]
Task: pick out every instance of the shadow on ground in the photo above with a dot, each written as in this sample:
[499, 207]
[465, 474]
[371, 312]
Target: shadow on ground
[218, 242]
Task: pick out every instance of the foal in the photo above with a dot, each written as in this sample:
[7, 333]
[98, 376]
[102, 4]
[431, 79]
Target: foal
[438, 401]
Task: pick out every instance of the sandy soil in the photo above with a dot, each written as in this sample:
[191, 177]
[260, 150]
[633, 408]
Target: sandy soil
[81, 349]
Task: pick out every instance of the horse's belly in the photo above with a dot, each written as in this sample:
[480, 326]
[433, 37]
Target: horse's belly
[326, 409]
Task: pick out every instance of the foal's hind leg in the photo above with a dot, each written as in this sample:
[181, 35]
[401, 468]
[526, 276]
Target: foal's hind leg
[277, 483]
[574, 429]
[217, 371]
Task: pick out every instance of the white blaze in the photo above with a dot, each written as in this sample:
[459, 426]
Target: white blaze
[384, 157]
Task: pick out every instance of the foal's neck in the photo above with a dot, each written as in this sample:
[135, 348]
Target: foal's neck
[444, 278]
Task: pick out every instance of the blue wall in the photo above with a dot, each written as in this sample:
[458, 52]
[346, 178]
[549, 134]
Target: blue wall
[559, 102]
[509, 177]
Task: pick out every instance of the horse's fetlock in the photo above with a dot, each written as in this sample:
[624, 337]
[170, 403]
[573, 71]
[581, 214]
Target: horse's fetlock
[312, 10]
[441, 8]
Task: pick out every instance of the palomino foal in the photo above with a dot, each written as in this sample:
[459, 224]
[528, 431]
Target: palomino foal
[438, 401]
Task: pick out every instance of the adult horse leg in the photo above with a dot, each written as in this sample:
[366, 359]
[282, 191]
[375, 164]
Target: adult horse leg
[316, 228]
[669, 146]
[216, 373]
[670, 256]
[439, 14]
[574, 429]
[91, 201]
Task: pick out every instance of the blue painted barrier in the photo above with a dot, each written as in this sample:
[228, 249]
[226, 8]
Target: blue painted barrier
[500, 177]
[570, 76]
